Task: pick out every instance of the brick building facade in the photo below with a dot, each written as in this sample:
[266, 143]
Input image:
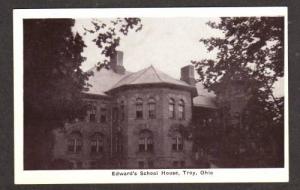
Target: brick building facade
[134, 120]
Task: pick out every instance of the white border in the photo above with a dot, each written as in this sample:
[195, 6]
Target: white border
[104, 176]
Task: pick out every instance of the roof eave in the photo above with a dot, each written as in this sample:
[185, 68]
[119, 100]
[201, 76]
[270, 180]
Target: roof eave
[95, 96]
[206, 106]
[189, 88]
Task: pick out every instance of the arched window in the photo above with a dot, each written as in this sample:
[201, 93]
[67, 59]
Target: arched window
[75, 142]
[181, 110]
[177, 143]
[139, 108]
[122, 111]
[97, 143]
[146, 141]
[171, 108]
[152, 108]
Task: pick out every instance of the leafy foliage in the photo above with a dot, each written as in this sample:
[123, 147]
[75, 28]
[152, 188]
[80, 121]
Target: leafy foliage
[248, 63]
[53, 79]
[53, 84]
[109, 33]
[252, 49]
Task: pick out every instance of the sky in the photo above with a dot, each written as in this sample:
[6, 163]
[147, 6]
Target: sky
[166, 43]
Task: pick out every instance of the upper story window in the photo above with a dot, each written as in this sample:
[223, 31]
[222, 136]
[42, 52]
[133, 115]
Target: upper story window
[177, 143]
[152, 108]
[181, 110]
[97, 143]
[75, 142]
[103, 114]
[146, 141]
[171, 108]
[92, 111]
[122, 111]
[115, 114]
[139, 108]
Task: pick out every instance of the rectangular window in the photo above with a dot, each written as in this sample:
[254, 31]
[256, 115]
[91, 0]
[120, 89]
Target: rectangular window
[180, 147]
[119, 146]
[78, 149]
[171, 111]
[181, 110]
[93, 149]
[141, 164]
[174, 147]
[78, 146]
[122, 114]
[116, 144]
[96, 148]
[93, 164]
[142, 145]
[92, 117]
[152, 111]
[79, 164]
[150, 164]
[177, 144]
[103, 115]
[92, 111]
[139, 111]
[74, 145]
[182, 164]
[181, 113]
[150, 148]
[149, 145]
[115, 114]
[175, 164]
[71, 146]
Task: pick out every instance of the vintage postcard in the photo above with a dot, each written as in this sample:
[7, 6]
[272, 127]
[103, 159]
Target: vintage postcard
[151, 95]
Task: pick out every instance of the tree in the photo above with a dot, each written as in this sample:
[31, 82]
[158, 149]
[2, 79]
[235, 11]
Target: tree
[53, 80]
[109, 33]
[248, 63]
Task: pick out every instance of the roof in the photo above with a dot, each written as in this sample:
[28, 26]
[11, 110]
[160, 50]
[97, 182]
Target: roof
[150, 75]
[204, 101]
[103, 80]
[204, 98]
[106, 79]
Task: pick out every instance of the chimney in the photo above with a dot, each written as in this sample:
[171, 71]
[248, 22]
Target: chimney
[116, 62]
[187, 75]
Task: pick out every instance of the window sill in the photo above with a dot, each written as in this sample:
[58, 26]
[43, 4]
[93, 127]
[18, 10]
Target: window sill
[96, 153]
[177, 151]
[73, 153]
[145, 152]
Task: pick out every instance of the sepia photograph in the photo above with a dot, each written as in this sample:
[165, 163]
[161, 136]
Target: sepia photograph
[153, 95]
